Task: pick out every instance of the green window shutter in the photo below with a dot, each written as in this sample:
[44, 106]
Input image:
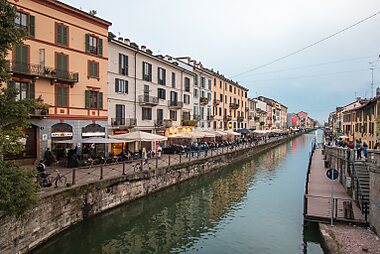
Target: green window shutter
[126, 86]
[64, 35]
[58, 34]
[87, 43]
[59, 96]
[18, 56]
[100, 47]
[65, 94]
[116, 85]
[100, 100]
[31, 25]
[64, 62]
[87, 99]
[24, 54]
[31, 91]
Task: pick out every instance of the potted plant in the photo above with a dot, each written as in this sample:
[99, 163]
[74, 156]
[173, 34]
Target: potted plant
[41, 108]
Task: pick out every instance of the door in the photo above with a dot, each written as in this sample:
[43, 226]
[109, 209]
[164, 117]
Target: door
[120, 113]
[173, 98]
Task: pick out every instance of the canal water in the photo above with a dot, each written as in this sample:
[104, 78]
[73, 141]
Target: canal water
[253, 206]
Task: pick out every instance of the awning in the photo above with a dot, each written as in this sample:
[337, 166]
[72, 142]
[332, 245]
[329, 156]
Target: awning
[139, 136]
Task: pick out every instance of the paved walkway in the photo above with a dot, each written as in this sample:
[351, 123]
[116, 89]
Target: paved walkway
[85, 175]
[319, 195]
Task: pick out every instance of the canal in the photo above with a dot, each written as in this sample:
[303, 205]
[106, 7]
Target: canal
[252, 206]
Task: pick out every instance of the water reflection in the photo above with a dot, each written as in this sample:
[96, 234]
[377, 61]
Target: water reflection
[201, 214]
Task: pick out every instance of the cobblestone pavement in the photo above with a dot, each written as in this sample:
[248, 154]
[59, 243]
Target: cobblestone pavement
[353, 240]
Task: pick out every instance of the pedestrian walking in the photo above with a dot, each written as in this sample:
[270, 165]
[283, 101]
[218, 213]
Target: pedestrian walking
[358, 150]
[365, 148]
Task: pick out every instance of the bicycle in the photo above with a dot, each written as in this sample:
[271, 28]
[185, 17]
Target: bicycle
[58, 179]
[137, 167]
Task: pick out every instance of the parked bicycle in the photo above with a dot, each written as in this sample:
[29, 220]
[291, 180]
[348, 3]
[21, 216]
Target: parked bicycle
[58, 180]
[138, 167]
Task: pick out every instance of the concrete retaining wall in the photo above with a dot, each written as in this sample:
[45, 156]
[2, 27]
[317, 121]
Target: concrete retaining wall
[58, 211]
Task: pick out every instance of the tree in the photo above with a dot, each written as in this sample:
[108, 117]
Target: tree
[17, 188]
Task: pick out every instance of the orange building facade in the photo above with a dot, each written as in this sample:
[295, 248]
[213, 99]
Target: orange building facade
[62, 63]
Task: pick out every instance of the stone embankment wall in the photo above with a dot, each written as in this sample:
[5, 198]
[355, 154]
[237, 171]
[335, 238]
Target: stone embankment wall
[58, 211]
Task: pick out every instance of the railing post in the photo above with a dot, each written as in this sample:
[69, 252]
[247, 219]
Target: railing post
[142, 164]
[156, 162]
[169, 160]
[101, 171]
[73, 176]
[180, 158]
[123, 167]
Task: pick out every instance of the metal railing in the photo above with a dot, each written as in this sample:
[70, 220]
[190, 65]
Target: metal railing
[175, 104]
[41, 71]
[148, 100]
[234, 105]
[130, 122]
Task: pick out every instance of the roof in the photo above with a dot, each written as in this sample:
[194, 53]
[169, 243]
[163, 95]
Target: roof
[70, 10]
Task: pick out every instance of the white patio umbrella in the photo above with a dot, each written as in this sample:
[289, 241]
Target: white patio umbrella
[70, 141]
[207, 134]
[139, 136]
[233, 133]
[101, 140]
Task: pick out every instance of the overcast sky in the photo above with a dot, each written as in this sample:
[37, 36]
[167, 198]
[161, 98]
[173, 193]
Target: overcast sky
[239, 35]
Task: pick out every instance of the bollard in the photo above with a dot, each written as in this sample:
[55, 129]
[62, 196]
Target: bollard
[73, 176]
[101, 171]
[123, 167]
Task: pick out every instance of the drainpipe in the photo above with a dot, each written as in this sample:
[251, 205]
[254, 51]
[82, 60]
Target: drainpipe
[136, 86]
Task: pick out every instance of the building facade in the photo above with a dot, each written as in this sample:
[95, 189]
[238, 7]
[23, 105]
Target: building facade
[62, 63]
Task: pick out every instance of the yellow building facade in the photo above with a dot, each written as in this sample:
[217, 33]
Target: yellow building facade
[62, 62]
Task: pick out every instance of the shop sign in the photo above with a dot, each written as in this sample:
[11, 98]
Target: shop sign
[61, 134]
[116, 132]
[93, 134]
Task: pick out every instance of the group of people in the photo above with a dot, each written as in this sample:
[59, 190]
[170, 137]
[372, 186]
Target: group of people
[361, 147]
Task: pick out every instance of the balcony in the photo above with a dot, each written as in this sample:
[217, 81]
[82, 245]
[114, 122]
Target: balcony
[234, 106]
[246, 108]
[216, 102]
[146, 100]
[240, 118]
[175, 104]
[40, 71]
[204, 100]
[121, 122]
[196, 117]
[189, 122]
[227, 118]
[37, 112]
[210, 118]
[165, 123]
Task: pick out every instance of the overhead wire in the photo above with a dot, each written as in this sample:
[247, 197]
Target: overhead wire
[309, 46]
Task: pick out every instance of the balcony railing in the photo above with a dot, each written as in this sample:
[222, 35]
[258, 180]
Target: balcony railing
[246, 108]
[189, 122]
[210, 118]
[147, 100]
[163, 123]
[240, 118]
[128, 122]
[41, 71]
[216, 102]
[39, 112]
[227, 118]
[196, 117]
[175, 104]
[234, 106]
[204, 100]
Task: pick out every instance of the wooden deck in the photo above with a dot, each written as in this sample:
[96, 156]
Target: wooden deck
[317, 206]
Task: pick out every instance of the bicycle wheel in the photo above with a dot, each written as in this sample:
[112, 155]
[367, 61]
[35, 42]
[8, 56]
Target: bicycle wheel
[61, 181]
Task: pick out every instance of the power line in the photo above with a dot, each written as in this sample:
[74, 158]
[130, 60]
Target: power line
[309, 46]
[314, 65]
[307, 76]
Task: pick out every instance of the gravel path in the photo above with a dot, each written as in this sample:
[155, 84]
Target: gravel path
[354, 239]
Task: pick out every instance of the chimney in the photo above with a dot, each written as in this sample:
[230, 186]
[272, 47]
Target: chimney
[127, 41]
[143, 48]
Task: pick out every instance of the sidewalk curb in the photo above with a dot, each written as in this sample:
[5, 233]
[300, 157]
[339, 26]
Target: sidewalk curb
[329, 244]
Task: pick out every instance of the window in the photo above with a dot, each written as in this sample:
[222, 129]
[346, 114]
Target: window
[161, 93]
[61, 34]
[234, 90]
[26, 90]
[160, 114]
[214, 81]
[220, 85]
[94, 45]
[209, 84]
[174, 97]
[93, 99]
[61, 62]
[147, 71]
[187, 85]
[209, 96]
[203, 82]
[121, 86]
[230, 89]
[220, 111]
[25, 22]
[202, 113]
[186, 99]
[123, 64]
[120, 114]
[161, 76]
[22, 57]
[146, 113]
[93, 69]
[195, 93]
[62, 96]
[173, 79]
[173, 115]
[221, 97]
[203, 94]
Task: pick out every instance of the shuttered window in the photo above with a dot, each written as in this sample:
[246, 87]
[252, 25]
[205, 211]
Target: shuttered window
[121, 86]
[61, 62]
[93, 69]
[123, 64]
[62, 96]
[61, 34]
[146, 113]
[25, 22]
[147, 71]
[94, 45]
[161, 93]
[93, 99]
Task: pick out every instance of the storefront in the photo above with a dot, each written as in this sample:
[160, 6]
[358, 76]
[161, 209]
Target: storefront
[61, 132]
[118, 148]
[94, 130]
